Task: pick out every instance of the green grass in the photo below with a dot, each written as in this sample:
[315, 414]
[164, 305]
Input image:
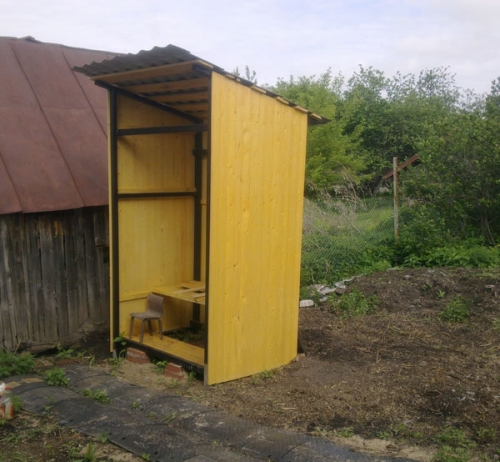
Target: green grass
[448, 454]
[455, 445]
[341, 239]
[375, 217]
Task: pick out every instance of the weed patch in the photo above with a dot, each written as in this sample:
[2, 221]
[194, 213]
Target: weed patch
[160, 366]
[56, 377]
[457, 310]
[64, 354]
[15, 364]
[97, 395]
[355, 303]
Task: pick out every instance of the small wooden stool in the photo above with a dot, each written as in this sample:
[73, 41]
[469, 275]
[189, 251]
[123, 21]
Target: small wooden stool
[153, 312]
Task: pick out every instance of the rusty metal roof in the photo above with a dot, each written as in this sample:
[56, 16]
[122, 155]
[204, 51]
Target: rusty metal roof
[53, 144]
[173, 77]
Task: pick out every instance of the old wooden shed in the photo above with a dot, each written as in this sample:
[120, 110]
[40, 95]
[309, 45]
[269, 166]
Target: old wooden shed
[206, 196]
[54, 271]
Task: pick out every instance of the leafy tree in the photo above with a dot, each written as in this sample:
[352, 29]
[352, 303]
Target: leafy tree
[332, 162]
[391, 115]
[375, 118]
[250, 75]
[460, 169]
[493, 101]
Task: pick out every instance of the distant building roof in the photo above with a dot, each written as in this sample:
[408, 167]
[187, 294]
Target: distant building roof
[53, 142]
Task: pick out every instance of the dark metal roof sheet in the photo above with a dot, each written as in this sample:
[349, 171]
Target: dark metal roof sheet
[171, 76]
[53, 147]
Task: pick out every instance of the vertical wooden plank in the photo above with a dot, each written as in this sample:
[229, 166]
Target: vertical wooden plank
[6, 332]
[25, 299]
[20, 322]
[49, 275]
[71, 269]
[81, 268]
[90, 276]
[58, 223]
[100, 219]
[35, 288]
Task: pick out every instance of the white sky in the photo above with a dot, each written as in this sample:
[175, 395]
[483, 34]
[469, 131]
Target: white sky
[279, 38]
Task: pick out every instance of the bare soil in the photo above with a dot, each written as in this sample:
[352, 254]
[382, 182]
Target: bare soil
[396, 382]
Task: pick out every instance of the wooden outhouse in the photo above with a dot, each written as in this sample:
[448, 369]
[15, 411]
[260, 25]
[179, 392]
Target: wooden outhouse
[206, 197]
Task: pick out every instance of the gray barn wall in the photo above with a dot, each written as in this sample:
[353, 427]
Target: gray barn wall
[54, 277]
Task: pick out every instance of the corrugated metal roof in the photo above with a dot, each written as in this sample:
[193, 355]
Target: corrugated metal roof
[53, 143]
[173, 77]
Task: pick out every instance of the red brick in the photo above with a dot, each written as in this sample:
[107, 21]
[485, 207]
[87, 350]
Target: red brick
[174, 371]
[137, 356]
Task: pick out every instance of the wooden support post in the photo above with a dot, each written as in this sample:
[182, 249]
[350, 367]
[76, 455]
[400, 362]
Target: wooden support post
[113, 208]
[396, 202]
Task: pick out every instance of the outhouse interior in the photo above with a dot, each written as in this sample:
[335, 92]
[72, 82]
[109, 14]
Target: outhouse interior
[206, 181]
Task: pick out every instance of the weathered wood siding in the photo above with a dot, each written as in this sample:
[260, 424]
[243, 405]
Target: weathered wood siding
[54, 277]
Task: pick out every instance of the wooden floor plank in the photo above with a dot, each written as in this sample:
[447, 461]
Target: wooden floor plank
[183, 350]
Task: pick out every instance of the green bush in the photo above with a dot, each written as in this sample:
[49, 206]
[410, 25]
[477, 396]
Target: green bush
[341, 240]
[331, 258]
[425, 241]
[15, 364]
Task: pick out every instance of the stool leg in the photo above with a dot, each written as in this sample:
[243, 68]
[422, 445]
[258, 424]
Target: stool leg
[142, 331]
[161, 328]
[131, 327]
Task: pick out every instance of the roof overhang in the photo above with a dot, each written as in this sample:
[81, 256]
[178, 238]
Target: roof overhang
[173, 77]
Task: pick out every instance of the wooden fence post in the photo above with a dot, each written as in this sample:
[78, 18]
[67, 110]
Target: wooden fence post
[396, 204]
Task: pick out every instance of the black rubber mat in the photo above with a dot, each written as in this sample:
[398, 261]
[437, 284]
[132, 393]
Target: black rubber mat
[167, 427]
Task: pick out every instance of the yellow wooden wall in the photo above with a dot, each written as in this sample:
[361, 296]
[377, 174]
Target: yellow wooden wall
[155, 235]
[258, 150]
